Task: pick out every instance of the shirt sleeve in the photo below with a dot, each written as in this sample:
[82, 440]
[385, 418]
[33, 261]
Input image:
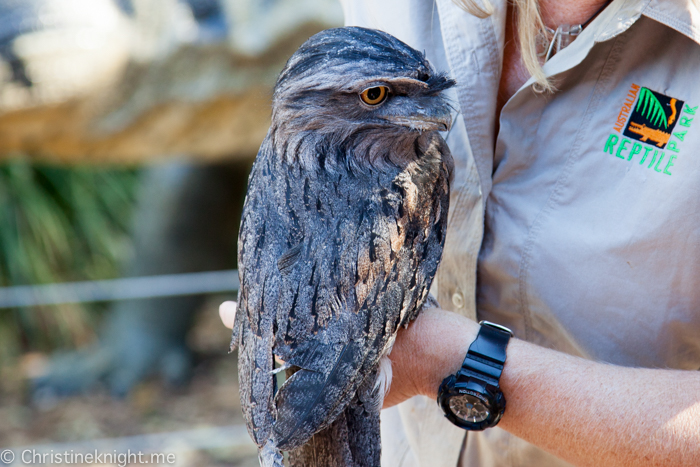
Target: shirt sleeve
[375, 14]
[351, 9]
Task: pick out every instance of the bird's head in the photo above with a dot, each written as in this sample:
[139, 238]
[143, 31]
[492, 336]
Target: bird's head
[348, 80]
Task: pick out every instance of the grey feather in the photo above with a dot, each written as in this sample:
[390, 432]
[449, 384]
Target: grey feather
[289, 258]
[341, 236]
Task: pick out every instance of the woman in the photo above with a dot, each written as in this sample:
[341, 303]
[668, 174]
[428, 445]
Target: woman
[572, 223]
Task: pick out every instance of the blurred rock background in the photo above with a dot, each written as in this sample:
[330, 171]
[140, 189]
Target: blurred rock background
[130, 81]
[127, 128]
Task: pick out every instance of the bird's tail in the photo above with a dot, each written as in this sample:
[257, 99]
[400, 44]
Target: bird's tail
[352, 440]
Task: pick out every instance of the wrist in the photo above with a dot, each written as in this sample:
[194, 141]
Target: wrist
[447, 339]
[430, 349]
[472, 398]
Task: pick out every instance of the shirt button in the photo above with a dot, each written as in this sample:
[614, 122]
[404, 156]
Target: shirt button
[458, 300]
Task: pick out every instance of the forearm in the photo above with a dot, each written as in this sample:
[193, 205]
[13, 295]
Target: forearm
[584, 412]
[595, 414]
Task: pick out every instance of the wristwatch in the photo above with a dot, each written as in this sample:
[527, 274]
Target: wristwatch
[472, 398]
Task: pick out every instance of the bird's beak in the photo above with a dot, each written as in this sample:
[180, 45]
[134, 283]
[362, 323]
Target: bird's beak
[433, 120]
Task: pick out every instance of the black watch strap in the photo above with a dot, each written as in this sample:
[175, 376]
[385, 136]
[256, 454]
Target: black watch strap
[487, 354]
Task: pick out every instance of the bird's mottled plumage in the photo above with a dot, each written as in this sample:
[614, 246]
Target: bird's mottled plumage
[341, 236]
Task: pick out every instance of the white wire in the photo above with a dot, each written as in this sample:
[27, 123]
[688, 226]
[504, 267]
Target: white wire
[168, 285]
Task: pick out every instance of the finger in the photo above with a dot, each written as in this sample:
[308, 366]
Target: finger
[227, 312]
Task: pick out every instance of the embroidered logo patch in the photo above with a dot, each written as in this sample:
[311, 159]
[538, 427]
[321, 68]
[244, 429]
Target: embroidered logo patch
[653, 118]
[650, 117]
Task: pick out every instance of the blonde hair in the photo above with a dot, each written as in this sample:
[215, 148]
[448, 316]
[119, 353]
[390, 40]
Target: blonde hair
[529, 25]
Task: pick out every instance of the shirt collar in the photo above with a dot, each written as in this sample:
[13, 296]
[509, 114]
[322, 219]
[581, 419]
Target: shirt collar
[613, 21]
[681, 15]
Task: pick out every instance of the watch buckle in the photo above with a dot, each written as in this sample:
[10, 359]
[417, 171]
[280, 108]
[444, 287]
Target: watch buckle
[497, 326]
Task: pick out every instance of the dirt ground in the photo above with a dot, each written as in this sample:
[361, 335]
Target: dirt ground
[201, 424]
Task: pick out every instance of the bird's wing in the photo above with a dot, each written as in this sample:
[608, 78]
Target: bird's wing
[332, 262]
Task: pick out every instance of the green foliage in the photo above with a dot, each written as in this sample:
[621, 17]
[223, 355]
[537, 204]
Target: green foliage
[652, 108]
[59, 224]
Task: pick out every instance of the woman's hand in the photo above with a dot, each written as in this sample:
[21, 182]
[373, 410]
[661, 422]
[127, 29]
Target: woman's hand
[430, 349]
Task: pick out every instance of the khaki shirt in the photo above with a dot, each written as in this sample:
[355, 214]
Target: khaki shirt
[579, 218]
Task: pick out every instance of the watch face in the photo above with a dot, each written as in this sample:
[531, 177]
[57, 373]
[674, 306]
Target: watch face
[469, 408]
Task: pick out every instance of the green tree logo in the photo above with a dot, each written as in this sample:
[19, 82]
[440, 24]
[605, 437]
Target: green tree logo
[650, 107]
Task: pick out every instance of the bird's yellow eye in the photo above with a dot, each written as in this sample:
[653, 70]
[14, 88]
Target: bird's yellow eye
[375, 95]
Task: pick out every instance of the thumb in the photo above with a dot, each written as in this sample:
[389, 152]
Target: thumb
[227, 313]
